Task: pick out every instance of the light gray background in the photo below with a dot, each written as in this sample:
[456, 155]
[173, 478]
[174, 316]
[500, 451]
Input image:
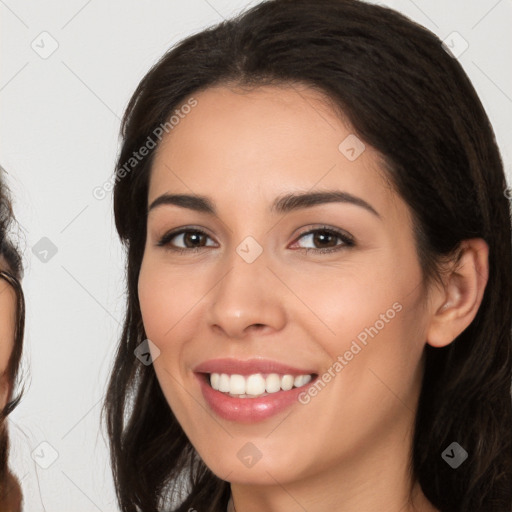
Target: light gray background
[59, 139]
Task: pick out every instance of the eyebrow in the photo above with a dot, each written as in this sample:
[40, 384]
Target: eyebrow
[282, 204]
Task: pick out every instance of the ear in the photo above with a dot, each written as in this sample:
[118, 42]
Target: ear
[456, 304]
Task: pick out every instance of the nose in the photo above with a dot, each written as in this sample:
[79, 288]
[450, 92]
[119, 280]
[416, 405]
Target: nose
[248, 299]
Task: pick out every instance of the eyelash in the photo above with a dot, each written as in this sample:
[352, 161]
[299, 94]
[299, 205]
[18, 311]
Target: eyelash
[347, 240]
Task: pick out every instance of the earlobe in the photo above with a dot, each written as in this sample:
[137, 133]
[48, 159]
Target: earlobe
[456, 305]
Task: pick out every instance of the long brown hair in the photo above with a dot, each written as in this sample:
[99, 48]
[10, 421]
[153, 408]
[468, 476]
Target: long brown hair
[406, 96]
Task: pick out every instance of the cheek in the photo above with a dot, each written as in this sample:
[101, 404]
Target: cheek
[360, 304]
[376, 326]
[150, 306]
[165, 297]
[153, 305]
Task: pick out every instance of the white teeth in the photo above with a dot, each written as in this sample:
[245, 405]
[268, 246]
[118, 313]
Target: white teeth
[237, 385]
[255, 385]
[287, 382]
[214, 380]
[273, 383]
[301, 380]
[224, 384]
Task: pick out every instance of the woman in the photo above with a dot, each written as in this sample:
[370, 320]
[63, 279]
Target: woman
[12, 321]
[370, 371]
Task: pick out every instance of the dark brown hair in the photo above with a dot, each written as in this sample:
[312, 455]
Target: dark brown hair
[409, 99]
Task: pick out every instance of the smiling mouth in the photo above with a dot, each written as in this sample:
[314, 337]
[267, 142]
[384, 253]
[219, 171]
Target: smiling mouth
[256, 385]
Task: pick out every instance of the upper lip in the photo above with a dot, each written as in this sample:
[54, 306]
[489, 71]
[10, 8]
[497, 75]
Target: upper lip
[248, 367]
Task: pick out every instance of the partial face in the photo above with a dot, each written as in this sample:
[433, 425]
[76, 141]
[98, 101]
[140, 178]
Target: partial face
[330, 291]
[7, 330]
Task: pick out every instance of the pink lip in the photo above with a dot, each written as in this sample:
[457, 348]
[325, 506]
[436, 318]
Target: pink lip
[248, 410]
[239, 367]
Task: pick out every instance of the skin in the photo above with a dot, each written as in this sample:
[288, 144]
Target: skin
[346, 450]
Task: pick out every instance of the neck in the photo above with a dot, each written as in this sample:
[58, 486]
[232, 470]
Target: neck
[378, 478]
[281, 501]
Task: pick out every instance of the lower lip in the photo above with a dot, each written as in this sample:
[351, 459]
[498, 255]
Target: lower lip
[248, 410]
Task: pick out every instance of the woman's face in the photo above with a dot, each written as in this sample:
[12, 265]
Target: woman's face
[7, 329]
[354, 318]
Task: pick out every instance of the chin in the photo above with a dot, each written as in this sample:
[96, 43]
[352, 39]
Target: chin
[245, 464]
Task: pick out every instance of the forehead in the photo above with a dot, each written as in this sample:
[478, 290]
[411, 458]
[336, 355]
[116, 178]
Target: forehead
[239, 144]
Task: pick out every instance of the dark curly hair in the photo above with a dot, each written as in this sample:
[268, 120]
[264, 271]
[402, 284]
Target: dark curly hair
[406, 96]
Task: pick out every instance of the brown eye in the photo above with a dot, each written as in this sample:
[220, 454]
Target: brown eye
[326, 239]
[190, 238]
